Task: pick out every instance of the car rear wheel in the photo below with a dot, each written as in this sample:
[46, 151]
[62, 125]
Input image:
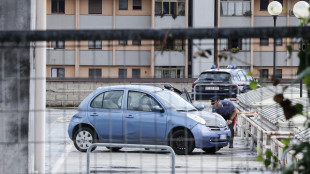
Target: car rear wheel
[83, 138]
[114, 149]
[182, 142]
[211, 150]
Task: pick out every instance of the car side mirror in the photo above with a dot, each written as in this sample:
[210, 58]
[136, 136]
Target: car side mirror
[200, 107]
[157, 108]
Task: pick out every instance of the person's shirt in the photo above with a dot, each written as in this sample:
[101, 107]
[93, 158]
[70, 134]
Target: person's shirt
[226, 110]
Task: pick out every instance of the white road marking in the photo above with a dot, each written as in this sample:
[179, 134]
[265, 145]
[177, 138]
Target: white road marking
[61, 159]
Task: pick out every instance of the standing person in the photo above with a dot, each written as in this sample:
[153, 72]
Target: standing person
[228, 111]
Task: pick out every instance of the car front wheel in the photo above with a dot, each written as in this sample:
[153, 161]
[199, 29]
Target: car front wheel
[182, 142]
[83, 138]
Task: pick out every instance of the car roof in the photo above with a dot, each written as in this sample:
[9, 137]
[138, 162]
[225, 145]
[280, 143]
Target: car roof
[132, 87]
[221, 70]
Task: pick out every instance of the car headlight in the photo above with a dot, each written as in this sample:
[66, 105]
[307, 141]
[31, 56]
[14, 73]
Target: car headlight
[196, 118]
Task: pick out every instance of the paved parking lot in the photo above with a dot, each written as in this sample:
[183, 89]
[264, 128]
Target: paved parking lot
[62, 157]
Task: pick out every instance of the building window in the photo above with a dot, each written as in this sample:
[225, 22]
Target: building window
[58, 72]
[123, 4]
[264, 73]
[137, 4]
[58, 6]
[264, 5]
[58, 44]
[242, 44]
[122, 73]
[170, 72]
[123, 42]
[264, 42]
[171, 45]
[94, 44]
[136, 42]
[170, 7]
[136, 73]
[279, 41]
[95, 73]
[95, 6]
[235, 8]
[279, 73]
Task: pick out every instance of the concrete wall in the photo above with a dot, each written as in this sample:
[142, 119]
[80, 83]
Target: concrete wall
[266, 58]
[60, 57]
[96, 57]
[60, 21]
[93, 22]
[169, 22]
[242, 58]
[231, 21]
[267, 21]
[14, 85]
[169, 58]
[134, 58]
[71, 94]
[133, 22]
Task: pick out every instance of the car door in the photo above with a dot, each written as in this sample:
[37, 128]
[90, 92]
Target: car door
[142, 125]
[106, 115]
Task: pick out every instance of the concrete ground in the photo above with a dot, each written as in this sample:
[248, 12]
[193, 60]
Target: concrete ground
[62, 157]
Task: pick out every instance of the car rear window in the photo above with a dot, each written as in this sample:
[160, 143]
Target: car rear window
[216, 76]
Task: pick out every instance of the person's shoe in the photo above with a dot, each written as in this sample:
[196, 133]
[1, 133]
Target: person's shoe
[231, 145]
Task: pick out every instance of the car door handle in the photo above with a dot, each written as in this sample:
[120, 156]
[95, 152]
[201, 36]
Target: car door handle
[94, 114]
[129, 116]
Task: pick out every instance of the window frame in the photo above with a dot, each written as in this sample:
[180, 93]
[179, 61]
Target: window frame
[56, 44]
[125, 70]
[95, 44]
[177, 12]
[138, 42]
[261, 73]
[89, 4]
[279, 41]
[132, 73]
[265, 7]
[95, 76]
[125, 42]
[261, 41]
[104, 93]
[228, 2]
[58, 7]
[57, 70]
[119, 5]
[133, 6]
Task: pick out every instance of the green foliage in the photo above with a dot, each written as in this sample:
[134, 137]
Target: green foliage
[289, 50]
[253, 85]
[269, 160]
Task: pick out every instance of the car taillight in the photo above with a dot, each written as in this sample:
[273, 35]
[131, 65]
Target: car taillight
[234, 86]
[194, 84]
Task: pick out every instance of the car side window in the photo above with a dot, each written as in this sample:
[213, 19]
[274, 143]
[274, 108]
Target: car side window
[108, 100]
[241, 75]
[138, 101]
[97, 102]
[113, 100]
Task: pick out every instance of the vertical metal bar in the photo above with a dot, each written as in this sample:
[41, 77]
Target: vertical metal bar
[274, 48]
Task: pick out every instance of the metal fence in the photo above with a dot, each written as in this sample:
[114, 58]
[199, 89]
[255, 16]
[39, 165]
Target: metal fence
[80, 61]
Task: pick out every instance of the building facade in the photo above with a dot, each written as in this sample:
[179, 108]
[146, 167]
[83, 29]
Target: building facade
[257, 54]
[123, 58]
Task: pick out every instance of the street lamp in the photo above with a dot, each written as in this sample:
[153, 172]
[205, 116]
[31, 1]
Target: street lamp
[274, 9]
[301, 11]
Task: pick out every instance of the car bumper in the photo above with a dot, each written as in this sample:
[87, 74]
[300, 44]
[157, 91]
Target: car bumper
[204, 138]
[207, 96]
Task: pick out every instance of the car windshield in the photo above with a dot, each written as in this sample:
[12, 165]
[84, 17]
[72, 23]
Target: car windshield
[216, 76]
[175, 101]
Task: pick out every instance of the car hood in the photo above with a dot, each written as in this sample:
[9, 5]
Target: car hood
[211, 119]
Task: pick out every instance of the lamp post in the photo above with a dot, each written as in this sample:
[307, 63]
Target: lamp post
[274, 9]
[301, 11]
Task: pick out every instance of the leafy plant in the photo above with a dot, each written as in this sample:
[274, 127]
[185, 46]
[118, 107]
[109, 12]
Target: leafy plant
[247, 13]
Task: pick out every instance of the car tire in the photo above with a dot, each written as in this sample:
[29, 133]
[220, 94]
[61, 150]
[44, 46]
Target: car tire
[179, 144]
[211, 150]
[114, 149]
[83, 138]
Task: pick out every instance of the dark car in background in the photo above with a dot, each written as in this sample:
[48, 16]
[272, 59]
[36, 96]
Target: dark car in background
[225, 83]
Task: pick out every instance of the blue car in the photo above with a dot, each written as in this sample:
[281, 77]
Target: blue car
[136, 114]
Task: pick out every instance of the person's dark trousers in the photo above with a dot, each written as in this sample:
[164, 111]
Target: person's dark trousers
[231, 127]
